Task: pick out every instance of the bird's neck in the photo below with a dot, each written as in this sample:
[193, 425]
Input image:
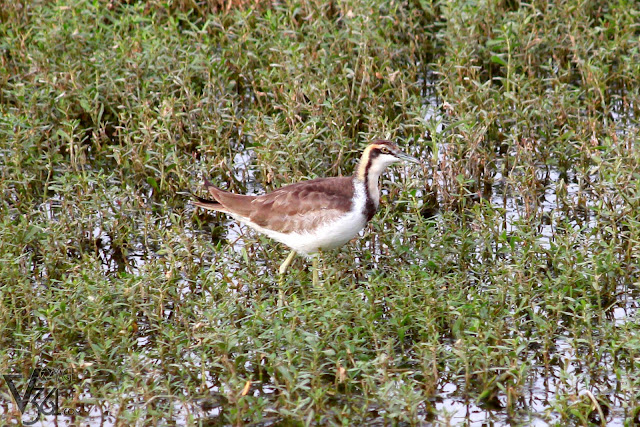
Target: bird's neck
[367, 173]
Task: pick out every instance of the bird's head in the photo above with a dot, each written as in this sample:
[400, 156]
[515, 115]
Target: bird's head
[378, 155]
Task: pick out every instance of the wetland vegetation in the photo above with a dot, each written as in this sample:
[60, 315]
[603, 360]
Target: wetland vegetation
[497, 284]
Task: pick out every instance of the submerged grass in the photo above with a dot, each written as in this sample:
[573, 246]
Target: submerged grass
[499, 283]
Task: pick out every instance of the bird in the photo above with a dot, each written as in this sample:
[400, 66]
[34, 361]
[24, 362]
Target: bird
[315, 215]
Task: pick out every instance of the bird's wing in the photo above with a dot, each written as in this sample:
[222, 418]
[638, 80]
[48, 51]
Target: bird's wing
[302, 206]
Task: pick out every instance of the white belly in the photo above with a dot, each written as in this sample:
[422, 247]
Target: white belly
[328, 236]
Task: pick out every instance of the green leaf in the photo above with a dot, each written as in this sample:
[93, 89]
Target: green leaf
[497, 60]
[152, 182]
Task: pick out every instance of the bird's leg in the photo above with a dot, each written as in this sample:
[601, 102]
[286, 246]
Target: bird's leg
[283, 269]
[287, 262]
[315, 269]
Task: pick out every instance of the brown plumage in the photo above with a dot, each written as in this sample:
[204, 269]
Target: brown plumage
[293, 208]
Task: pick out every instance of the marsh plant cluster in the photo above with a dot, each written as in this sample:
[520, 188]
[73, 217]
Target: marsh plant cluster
[498, 283]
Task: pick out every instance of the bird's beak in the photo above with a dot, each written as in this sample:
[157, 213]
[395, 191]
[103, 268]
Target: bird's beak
[407, 158]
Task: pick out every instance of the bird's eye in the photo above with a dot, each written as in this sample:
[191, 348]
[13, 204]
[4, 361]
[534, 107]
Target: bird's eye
[384, 150]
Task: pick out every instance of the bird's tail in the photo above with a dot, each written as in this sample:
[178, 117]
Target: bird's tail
[213, 205]
[224, 201]
[206, 203]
